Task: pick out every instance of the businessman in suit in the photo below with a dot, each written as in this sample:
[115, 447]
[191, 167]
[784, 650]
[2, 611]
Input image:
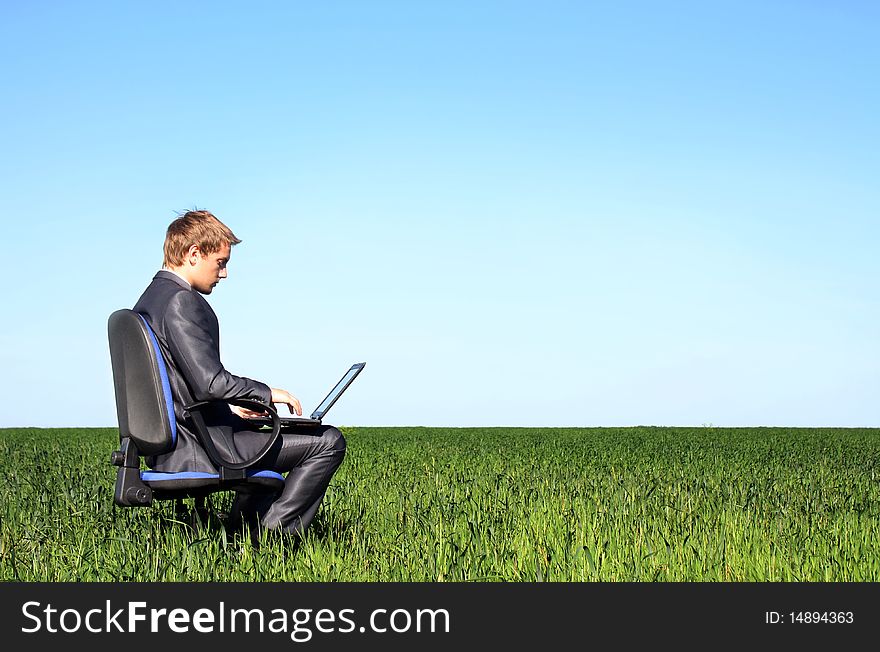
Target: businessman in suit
[196, 254]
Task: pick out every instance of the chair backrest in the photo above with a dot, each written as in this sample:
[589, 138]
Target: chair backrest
[144, 406]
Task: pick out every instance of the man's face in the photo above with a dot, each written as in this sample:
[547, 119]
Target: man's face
[209, 269]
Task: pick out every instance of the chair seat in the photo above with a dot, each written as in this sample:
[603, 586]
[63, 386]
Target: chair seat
[197, 483]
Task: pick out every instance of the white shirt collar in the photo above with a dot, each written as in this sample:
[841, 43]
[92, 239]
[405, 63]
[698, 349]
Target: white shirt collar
[177, 275]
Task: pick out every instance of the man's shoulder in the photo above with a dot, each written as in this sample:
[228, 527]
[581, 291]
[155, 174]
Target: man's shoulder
[167, 305]
[167, 289]
[168, 278]
[164, 282]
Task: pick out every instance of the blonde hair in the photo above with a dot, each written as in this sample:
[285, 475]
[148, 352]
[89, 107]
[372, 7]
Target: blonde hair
[195, 227]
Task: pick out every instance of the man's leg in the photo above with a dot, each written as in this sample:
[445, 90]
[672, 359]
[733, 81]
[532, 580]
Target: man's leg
[310, 461]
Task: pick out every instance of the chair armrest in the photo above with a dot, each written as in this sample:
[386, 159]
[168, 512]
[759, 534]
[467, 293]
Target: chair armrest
[194, 411]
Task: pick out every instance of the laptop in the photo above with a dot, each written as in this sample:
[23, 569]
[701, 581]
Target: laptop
[314, 419]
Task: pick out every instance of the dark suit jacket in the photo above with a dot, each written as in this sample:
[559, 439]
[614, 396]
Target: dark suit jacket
[189, 336]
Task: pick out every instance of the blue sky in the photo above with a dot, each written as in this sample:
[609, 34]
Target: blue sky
[517, 213]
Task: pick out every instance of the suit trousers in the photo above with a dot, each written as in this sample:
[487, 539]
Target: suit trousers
[308, 456]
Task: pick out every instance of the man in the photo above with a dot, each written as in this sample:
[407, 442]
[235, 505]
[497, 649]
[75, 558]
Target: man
[196, 254]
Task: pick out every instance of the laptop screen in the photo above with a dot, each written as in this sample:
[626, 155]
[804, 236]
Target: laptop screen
[334, 394]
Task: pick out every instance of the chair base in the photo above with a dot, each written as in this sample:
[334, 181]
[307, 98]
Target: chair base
[136, 488]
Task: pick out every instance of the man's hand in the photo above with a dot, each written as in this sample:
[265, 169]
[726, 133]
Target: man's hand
[245, 413]
[292, 402]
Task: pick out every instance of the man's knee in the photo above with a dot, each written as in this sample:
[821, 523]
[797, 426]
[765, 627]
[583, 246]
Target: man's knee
[334, 440]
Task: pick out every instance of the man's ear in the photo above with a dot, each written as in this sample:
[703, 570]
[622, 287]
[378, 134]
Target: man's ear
[193, 254]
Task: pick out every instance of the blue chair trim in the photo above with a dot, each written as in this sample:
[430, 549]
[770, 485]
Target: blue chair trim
[157, 476]
[265, 474]
[166, 385]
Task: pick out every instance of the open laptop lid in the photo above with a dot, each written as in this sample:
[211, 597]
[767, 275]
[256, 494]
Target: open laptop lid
[336, 392]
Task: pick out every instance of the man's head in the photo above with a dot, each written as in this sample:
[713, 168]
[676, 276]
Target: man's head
[197, 246]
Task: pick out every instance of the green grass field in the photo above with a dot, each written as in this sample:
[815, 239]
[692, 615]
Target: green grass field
[493, 504]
